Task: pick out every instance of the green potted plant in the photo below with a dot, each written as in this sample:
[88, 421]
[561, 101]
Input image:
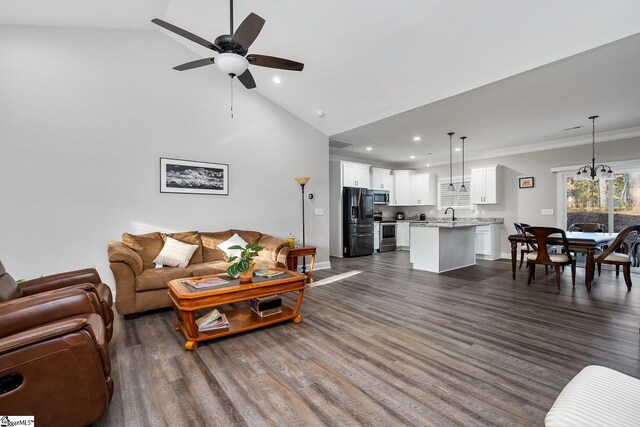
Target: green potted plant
[243, 265]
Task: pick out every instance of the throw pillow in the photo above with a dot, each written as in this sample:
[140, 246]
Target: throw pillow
[233, 240]
[175, 253]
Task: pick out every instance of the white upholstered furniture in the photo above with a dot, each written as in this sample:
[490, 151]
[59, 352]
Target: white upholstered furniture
[597, 396]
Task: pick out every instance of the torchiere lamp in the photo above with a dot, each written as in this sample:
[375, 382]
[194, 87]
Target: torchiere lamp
[303, 181]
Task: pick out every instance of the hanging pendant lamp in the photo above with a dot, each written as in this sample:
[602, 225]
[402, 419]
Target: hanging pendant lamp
[451, 188]
[463, 188]
[592, 171]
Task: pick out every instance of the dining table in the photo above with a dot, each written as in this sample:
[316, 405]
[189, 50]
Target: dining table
[582, 241]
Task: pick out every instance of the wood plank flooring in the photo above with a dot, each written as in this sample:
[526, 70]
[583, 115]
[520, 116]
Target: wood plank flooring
[390, 346]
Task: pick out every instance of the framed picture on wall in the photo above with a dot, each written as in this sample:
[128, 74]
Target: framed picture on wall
[526, 182]
[193, 177]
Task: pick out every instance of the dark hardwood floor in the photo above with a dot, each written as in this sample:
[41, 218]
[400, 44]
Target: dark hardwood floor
[389, 346]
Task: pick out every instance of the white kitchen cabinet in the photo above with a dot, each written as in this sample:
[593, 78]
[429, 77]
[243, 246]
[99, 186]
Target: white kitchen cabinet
[402, 234]
[355, 175]
[402, 187]
[488, 241]
[486, 185]
[422, 189]
[381, 179]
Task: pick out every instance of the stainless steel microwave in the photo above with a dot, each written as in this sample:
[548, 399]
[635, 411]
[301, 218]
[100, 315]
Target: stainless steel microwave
[380, 197]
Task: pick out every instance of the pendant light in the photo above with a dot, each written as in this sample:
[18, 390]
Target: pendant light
[463, 188]
[451, 187]
[592, 171]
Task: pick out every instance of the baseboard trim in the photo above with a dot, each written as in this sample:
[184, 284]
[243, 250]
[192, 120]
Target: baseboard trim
[317, 266]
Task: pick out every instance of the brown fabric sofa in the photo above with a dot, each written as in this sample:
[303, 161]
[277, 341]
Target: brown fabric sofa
[142, 287]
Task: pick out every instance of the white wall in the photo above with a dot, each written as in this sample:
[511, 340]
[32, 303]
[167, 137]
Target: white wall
[85, 116]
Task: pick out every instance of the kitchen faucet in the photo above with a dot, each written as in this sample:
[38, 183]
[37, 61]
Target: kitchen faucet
[453, 213]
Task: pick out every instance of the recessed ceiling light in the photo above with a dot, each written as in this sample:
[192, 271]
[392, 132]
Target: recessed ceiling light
[413, 157]
[369, 148]
[416, 138]
[428, 165]
[458, 149]
[277, 80]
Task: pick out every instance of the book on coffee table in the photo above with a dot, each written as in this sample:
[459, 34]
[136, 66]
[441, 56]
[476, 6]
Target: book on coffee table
[205, 282]
[269, 273]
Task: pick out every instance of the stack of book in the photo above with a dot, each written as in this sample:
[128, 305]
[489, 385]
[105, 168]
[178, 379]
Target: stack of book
[266, 306]
[212, 321]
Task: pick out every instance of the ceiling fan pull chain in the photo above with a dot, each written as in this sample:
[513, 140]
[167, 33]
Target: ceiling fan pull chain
[231, 97]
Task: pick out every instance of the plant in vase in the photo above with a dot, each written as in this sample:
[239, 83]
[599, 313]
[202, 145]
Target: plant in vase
[243, 266]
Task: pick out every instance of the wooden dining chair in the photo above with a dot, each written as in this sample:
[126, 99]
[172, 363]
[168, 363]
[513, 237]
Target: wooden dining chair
[542, 255]
[628, 236]
[526, 247]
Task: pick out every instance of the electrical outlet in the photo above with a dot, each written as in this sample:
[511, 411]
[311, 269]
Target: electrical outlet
[547, 212]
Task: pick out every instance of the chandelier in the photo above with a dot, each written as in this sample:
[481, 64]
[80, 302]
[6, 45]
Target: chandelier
[592, 171]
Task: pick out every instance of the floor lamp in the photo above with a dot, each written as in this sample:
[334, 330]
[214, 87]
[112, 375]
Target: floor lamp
[303, 181]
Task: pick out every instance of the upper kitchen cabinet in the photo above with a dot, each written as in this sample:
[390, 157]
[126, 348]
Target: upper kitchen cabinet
[422, 189]
[402, 187]
[486, 185]
[355, 175]
[381, 179]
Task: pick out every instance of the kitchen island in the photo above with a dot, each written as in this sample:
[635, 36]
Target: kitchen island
[443, 246]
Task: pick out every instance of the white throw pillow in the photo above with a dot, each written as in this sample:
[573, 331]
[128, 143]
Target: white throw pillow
[175, 253]
[232, 241]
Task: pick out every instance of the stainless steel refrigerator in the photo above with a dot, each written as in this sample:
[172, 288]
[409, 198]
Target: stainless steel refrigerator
[357, 219]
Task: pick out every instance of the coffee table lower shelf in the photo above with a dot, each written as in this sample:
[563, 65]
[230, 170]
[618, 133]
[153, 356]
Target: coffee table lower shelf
[240, 320]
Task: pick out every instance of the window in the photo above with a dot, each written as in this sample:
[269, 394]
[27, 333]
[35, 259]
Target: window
[456, 200]
[615, 203]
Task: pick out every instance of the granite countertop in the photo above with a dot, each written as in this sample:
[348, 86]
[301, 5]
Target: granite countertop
[449, 224]
[445, 222]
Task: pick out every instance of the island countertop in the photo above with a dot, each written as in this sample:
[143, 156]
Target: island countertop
[449, 224]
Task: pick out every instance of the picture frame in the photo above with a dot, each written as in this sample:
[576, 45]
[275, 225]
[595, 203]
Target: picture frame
[526, 182]
[193, 177]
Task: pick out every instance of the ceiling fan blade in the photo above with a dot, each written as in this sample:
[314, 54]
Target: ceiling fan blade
[194, 64]
[274, 62]
[186, 34]
[248, 31]
[247, 80]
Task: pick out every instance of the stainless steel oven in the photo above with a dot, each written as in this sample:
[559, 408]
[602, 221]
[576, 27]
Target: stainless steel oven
[380, 197]
[387, 236]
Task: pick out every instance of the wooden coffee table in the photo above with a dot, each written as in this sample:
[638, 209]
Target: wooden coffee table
[187, 300]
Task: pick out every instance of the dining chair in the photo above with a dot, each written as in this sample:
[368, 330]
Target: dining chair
[526, 247]
[542, 255]
[628, 236]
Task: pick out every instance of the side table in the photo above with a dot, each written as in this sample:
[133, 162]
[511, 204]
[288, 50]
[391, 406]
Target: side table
[298, 251]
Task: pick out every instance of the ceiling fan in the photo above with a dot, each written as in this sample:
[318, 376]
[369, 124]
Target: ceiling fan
[233, 49]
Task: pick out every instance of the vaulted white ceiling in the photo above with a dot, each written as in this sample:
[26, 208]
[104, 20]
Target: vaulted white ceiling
[367, 60]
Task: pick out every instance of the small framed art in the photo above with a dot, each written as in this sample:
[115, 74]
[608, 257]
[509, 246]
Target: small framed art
[526, 182]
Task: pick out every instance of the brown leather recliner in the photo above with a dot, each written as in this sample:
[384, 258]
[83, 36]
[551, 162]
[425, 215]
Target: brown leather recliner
[54, 361]
[86, 279]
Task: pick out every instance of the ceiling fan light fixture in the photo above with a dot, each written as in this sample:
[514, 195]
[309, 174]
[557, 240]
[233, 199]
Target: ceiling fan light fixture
[232, 63]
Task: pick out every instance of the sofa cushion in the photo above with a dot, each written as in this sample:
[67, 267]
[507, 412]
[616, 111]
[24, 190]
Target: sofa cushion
[214, 267]
[247, 235]
[210, 251]
[157, 278]
[234, 240]
[175, 253]
[192, 238]
[148, 246]
[264, 263]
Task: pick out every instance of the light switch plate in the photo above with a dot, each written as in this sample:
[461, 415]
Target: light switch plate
[319, 212]
[547, 211]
